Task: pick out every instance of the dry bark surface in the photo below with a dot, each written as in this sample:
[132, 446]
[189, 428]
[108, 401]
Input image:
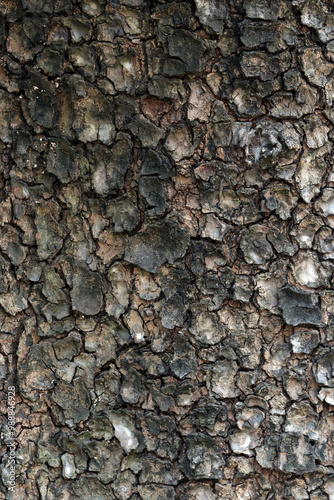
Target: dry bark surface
[167, 249]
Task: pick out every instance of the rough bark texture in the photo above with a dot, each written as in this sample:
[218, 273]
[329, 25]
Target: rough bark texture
[167, 215]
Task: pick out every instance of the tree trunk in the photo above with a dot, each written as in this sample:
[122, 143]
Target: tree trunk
[166, 220]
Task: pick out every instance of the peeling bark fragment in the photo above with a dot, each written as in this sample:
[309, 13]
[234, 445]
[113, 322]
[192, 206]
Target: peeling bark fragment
[173, 312]
[237, 207]
[299, 306]
[68, 466]
[178, 143]
[243, 288]
[86, 291]
[199, 103]
[304, 340]
[315, 66]
[156, 492]
[92, 113]
[255, 246]
[49, 236]
[124, 430]
[275, 35]
[61, 161]
[302, 419]
[214, 228]
[134, 322]
[159, 471]
[175, 14]
[146, 287]
[68, 348]
[316, 133]
[205, 327]
[188, 48]
[74, 401]
[242, 442]
[305, 232]
[287, 105]
[324, 370]
[203, 459]
[263, 9]
[209, 413]
[43, 104]
[308, 271]
[155, 164]
[22, 38]
[152, 190]
[279, 198]
[309, 175]
[276, 359]
[10, 119]
[102, 341]
[131, 387]
[159, 243]
[166, 88]
[79, 29]
[213, 15]
[83, 58]
[88, 486]
[111, 246]
[40, 371]
[266, 454]
[10, 244]
[147, 133]
[53, 285]
[124, 215]
[313, 14]
[51, 62]
[325, 204]
[223, 379]
[296, 455]
[111, 165]
[183, 363]
[107, 387]
[118, 301]
[264, 66]
[244, 101]
[249, 419]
